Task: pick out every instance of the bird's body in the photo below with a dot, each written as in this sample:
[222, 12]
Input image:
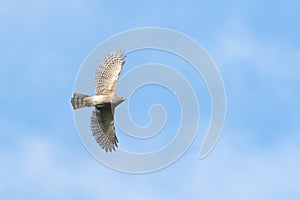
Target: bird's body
[105, 101]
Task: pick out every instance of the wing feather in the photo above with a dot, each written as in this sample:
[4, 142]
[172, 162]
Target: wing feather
[107, 74]
[103, 128]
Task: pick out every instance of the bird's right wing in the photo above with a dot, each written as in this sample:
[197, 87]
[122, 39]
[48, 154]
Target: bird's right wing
[103, 128]
[107, 74]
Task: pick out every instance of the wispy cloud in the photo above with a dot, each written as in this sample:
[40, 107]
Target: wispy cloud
[39, 167]
[234, 173]
[42, 168]
[43, 45]
[261, 79]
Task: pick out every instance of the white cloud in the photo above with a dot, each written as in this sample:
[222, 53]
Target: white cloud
[232, 173]
[237, 45]
[261, 79]
[40, 168]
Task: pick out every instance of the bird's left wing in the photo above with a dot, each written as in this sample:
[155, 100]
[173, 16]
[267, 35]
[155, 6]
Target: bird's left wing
[107, 74]
[103, 128]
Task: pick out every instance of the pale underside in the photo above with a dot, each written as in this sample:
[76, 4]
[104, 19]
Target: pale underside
[106, 80]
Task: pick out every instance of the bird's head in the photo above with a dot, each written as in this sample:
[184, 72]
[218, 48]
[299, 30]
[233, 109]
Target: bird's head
[122, 99]
[117, 100]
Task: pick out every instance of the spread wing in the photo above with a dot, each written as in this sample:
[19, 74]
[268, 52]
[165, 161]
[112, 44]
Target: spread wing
[107, 74]
[103, 128]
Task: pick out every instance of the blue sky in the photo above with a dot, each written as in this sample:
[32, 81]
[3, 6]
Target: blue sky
[256, 47]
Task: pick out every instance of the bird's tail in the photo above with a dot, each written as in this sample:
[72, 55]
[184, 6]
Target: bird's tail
[78, 101]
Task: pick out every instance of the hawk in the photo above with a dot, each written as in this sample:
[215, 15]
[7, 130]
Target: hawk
[105, 101]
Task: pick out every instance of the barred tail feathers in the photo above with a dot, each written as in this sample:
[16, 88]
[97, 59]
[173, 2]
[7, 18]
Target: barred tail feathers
[78, 101]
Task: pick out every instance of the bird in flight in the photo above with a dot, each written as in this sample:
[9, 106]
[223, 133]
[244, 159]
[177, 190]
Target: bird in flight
[105, 101]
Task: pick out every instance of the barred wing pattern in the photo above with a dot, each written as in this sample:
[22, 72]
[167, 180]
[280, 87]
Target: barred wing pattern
[103, 128]
[107, 74]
